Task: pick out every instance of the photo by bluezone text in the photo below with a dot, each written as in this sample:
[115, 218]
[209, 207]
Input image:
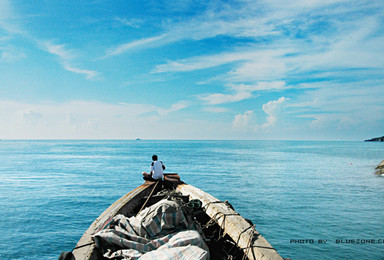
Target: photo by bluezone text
[357, 241]
[308, 241]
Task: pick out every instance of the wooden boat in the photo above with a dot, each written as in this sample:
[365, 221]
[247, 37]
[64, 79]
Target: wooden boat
[228, 235]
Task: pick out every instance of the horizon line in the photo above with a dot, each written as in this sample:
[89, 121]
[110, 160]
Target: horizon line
[169, 139]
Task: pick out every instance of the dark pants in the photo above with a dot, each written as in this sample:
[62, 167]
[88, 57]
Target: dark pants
[149, 178]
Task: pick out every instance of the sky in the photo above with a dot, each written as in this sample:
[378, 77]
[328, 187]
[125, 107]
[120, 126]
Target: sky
[184, 69]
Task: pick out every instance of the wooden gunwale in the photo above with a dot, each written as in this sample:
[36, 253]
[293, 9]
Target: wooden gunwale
[233, 224]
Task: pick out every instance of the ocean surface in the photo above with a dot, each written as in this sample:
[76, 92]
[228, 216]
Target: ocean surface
[310, 200]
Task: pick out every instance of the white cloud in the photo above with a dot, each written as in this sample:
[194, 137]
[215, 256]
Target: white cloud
[344, 42]
[258, 69]
[69, 120]
[66, 58]
[244, 20]
[218, 98]
[157, 40]
[332, 105]
[202, 62]
[9, 30]
[59, 50]
[273, 109]
[89, 74]
[95, 120]
[241, 92]
[354, 44]
[247, 122]
[331, 121]
[263, 85]
[175, 107]
[8, 18]
[134, 23]
[246, 54]
[89, 120]
[11, 54]
[31, 117]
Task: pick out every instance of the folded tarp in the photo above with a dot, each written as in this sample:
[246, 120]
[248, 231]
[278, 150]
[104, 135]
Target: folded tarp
[159, 232]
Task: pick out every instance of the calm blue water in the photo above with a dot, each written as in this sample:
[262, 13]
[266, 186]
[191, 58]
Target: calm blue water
[51, 191]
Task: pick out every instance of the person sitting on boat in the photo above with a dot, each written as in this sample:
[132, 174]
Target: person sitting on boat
[155, 171]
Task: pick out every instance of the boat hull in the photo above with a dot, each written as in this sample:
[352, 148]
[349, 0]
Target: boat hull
[254, 245]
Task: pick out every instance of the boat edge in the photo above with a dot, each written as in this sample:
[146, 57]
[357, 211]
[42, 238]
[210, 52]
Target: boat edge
[85, 247]
[233, 224]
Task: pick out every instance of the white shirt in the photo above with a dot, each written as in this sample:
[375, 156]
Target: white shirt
[157, 170]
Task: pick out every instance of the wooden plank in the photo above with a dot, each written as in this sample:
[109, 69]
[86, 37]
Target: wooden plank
[233, 224]
[172, 178]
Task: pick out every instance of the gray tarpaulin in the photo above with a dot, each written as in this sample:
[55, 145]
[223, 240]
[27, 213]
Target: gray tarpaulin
[159, 232]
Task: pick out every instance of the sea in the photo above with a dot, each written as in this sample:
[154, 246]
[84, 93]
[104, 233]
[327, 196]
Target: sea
[309, 199]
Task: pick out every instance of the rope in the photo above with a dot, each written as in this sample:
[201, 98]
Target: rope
[219, 201]
[88, 244]
[216, 219]
[150, 195]
[265, 247]
[242, 232]
[250, 242]
[252, 239]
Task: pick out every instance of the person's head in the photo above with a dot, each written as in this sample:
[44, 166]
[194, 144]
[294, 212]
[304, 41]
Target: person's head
[154, 157]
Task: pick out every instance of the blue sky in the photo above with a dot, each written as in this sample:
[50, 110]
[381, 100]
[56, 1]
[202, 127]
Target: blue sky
[288, 70]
